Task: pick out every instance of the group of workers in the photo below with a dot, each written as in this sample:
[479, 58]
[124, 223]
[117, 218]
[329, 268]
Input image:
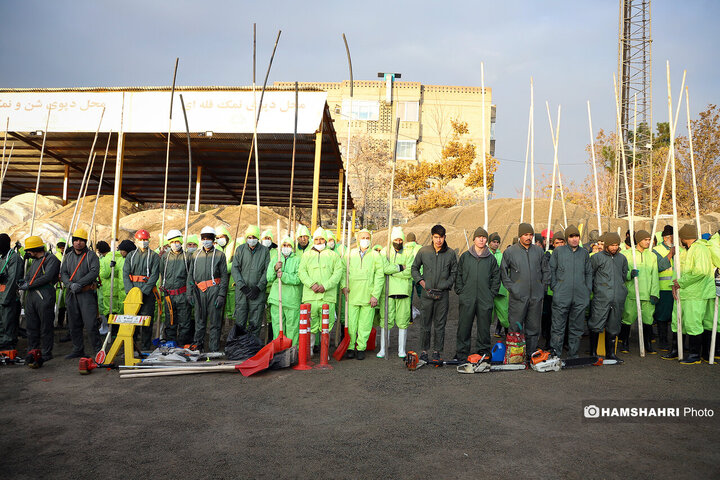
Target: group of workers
[193, 284]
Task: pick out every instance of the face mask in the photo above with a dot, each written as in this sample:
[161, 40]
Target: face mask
[331, 244]
[320, 247]
[191, 249]
[286, 251]
[142, 244]
[252, 242]
[207, 244]
[397, 246]
[365, 243]
[267, 243]
[176, 246]
[222, 241]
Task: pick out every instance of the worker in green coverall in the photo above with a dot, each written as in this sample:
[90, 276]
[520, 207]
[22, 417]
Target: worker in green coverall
[226, 244]
[339, 249]
[60, 292]
[695, 289]
[397, 270]
[175, 265]
[646, 272]
[207, 284]
[500, 303]
[107, 266]
[285, 270]
[364, 290]
[249, 269]
[142, 269]
[302, 239]
[664, 253]
[320, 273]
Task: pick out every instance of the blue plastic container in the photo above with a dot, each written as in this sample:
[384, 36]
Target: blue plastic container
[498, 352]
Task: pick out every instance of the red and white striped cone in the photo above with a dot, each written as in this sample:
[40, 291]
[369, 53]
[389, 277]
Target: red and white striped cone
[325, 340]
[303, 342]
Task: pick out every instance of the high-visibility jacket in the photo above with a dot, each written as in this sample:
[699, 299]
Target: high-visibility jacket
[664, 276]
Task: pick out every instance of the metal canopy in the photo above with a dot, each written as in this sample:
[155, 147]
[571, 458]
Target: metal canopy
[222, 157]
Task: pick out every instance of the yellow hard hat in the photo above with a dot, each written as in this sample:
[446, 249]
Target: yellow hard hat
[80, 233]
[33, 242]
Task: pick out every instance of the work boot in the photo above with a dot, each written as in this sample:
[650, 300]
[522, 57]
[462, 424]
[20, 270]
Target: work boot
[594, 337]
[647, 334]
[624, 338]
[663, 336]
[65, 338]
[706, 337]
[381, 353]
[312, 344]
[498, 330]
[610, 348]
[402, 339]
[350, 354]
[673, 353]
[695, 350]
[360, 355]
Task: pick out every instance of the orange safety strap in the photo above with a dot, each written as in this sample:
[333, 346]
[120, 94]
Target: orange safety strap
[208, 283]
[38, 269]
[138, 278]
[78, 266]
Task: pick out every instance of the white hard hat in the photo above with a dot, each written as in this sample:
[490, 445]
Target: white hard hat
[207, 230]
[173, 234]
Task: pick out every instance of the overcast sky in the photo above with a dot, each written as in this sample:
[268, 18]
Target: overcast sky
[568, 46]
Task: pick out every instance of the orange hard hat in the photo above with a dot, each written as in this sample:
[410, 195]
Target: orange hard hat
[142, 235]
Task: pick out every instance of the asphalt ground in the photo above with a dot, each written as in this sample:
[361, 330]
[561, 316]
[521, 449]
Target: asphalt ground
[363, 419]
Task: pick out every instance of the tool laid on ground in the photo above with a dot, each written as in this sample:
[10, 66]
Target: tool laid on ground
[475, 364]
[412, 361]
[582, 362]
[9, 357]
[544, 361]
[34, 358]
[87, 365]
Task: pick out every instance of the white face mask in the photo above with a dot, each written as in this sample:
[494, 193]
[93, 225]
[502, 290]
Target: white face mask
[331, 244]
[207, 244]
[252, 242]
[176, 246]
[320, 247]
[191, 249]
[222, 241]
[267, 242]
[365, 243]
[142, 244]
[286, 251]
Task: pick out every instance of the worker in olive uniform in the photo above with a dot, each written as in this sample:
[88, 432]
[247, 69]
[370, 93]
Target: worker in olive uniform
[249, 271]
[526, 277]
[434, 269]
[610, 270]
[664, 253]
[571, 283]
[477, 284]
[285, 270]
[557, 240]
[646, 272]
[79, 273]
[500, 302]
[364, 291]
[142, 269]
[207, 284]
[320, 272]
[39, 283]
[695, 291]
[11, 270]
[174, 267]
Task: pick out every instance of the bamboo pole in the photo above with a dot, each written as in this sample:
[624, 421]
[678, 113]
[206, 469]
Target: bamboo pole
[692, 162]
[555, 164]
[292, 167]
[527, 157]
[532, 153]
[594, 164]
[102, 175]
[676, 233]
[167, 153]
[631, 221]
[37, 182]
[117, 193]
[484, 157]
[389, 239]
[556, 139]
[187, 135]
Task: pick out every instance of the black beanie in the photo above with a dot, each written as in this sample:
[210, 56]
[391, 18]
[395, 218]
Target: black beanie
[480, 232]
[668, 230]
[571, 230]
[102, 246]
[4, 243]
[688, 232]
[410, 237]
[494, 237]
[611, 238]
[524, 228]
[641, 235]
[127, 246]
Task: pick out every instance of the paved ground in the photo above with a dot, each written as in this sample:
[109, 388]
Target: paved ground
[369, 419]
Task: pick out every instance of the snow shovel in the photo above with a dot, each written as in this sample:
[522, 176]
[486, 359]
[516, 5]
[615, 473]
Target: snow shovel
[345, 342]
[281, 342]
[131, 306]
[259, 362]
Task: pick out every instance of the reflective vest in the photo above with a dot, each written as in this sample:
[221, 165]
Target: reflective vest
[665, 277]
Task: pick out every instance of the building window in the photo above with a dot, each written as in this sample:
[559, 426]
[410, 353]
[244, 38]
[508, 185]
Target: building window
[408, 111]
[406, 149]
[362, 109]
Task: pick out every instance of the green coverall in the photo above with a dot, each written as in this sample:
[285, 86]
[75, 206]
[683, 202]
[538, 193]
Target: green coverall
[366, 280]
[648, 286]
[500, 302]
[249, 271]
[324, 268]
[400, 287]
[697, 289]
[145, 270]
[106, 272]
[208, 299]
[291, 295]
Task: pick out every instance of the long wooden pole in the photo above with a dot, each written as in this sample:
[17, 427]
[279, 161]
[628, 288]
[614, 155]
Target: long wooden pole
[692, 161]
[532, 153]
[389, 238]
[187, 135]
[292, 166]
[556, 139]
[102, 175]
[676, 232]
[4, 170]
[484, 156]
[594, 164]
[527, 158]
[37, 182]
[555, 164]
[631, 221]
[2, 164]
[117, 193]
[167, 153]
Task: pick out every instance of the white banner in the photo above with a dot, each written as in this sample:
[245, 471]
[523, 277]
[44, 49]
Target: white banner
[147, 112]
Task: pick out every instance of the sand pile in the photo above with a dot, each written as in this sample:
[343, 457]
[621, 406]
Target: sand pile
[19, 209]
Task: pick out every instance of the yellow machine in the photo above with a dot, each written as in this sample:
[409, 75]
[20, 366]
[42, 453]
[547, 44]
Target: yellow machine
[126, 327]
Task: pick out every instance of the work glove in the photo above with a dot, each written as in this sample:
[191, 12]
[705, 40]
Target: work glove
[401, 267]
[634, 273]
[219, 301]
[22, 285]
[75, 287]
[254, 293]
[245, 289]
[113, 263]
[654, 300]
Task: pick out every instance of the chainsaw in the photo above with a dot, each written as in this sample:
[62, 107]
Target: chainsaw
[544, 361]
